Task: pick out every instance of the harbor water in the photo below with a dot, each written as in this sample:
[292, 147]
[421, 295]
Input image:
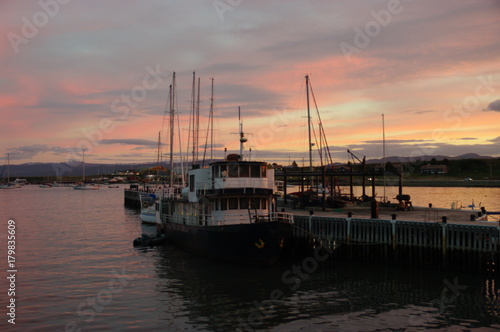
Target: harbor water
[76, 270]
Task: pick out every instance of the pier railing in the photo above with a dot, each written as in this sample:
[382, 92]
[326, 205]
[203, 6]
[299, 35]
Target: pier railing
[435, 243]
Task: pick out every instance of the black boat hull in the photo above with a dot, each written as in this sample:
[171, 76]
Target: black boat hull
[255, 244]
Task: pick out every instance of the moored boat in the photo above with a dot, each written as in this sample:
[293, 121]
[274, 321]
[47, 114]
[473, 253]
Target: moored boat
[85, 186]
[82, 185]
[7, 184]
[148, 212]
[227, 211]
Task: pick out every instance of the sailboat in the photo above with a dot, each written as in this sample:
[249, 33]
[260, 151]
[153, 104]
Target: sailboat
[317, 193]
[7, 184]
[148, 212]
[82, 185]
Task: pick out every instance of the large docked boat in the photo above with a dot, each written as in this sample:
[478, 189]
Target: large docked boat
[228, 212]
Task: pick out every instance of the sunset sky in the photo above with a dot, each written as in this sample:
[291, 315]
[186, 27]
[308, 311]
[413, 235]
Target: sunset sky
[95, 75]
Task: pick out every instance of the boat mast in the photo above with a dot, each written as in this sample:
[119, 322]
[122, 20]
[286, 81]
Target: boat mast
[383, 151]
[309, 123]
[196, 128]
[83, 164]
[8, 166]
[172, 113]
[194, 123]
[158, 159]
[383, 141]
[210, 129]
[212, 122]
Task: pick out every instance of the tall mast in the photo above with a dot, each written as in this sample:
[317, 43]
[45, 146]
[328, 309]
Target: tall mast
[83, 168]
[196, 132]
[195, 119]
[212, 122]
[158, 158]
[383, 141]
[383, 151]
[309, 123]
[172, 117]
[8, 166]
[191, 120]
[210, 129]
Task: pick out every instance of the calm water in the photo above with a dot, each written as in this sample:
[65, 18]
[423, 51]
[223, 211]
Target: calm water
[77, 268]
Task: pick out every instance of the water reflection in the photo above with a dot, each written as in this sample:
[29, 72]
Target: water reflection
[339, 296]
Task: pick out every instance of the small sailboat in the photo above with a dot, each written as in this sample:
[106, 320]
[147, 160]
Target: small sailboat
[83, 185]
[148, 212]
[7, 184]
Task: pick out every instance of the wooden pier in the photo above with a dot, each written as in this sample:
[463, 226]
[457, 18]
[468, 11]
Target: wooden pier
[459, 245]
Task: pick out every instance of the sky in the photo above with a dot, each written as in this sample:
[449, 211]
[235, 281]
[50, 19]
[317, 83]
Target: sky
[94, 76]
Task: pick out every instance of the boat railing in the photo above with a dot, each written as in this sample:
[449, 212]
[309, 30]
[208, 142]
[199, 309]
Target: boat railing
[230, 220]
[273, 216]
[232, 183]
[174, 193]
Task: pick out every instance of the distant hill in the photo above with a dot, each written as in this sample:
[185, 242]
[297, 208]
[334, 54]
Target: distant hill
[397, 159]
[92, 169]
[63, 169]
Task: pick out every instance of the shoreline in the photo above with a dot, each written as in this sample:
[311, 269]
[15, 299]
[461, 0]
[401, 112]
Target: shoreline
[451, 183]
[391, 182]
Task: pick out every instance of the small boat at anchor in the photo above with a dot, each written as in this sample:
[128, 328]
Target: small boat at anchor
[148, 212]
[82, 185]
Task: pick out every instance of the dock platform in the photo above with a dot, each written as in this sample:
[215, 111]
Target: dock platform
[431, 237]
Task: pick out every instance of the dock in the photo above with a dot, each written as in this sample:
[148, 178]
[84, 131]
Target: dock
[424, 237]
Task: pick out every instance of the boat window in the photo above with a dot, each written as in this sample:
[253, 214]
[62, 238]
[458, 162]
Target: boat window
[255, 171]
[254, 203]
[232, 170]
[244, 171]
[233, 204]
[263, 204]
[243, 203]
[223, 203]
[215, 171]
[191, 182]
[223, 171]
[264, 171]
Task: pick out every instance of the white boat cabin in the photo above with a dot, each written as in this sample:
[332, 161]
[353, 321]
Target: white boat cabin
[227, 192]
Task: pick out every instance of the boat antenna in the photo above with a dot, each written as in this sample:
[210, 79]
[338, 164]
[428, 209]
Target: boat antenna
[243, 139]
